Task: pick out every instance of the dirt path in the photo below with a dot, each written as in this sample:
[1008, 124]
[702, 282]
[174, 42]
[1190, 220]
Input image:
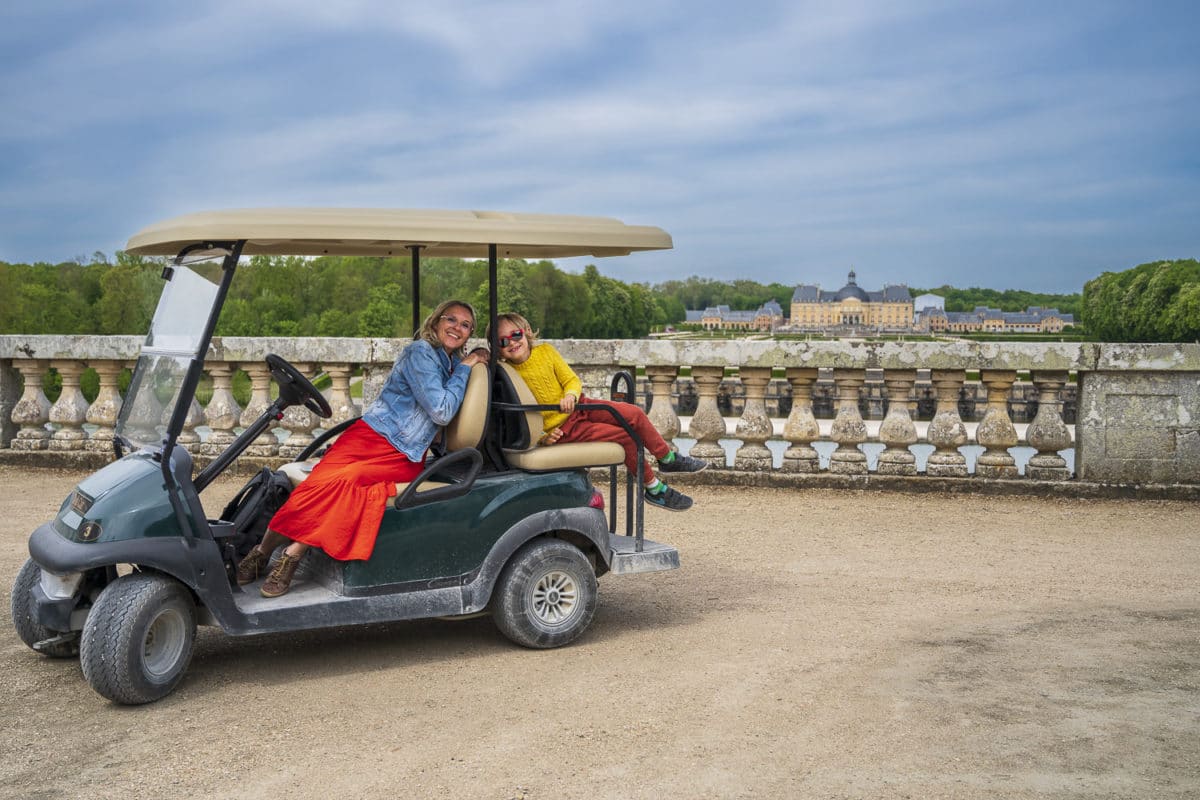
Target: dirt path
[815, 644]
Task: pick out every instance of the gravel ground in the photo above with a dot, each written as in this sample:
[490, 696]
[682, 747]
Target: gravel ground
[816, 643]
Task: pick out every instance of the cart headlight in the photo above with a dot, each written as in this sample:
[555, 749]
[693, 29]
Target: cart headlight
[60, 587]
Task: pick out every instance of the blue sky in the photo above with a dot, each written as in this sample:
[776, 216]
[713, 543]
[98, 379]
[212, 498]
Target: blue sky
[1000, 144]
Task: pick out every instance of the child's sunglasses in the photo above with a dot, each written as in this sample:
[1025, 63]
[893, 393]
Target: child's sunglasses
[515, 336]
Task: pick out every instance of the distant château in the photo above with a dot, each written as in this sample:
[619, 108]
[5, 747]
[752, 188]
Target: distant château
[852, 307]
[893, 309]
[768, 317]
[1034, 319]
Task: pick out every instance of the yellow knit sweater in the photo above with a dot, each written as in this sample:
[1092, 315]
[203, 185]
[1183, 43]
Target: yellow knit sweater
[550, 379]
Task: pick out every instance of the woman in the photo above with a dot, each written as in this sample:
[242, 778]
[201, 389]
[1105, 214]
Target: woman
[553, 382]
[339, 507]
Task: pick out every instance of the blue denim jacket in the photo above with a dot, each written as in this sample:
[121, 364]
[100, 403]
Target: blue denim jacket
[422, 393]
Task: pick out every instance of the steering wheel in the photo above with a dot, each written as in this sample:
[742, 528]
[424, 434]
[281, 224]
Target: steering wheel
[295, 389]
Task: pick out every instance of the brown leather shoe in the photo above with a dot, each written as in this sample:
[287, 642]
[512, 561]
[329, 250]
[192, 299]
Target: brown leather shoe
[280, 579]
[253, 566]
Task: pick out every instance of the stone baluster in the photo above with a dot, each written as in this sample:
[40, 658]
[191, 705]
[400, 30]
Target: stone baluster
[801, 428]
[848, 430]
[662, 414]
[266, 445]
[897, 430]
[754, 427]
[142, 419]
[223, 412]
[1048, 433]
[32, 411]
[946, 431]
[299, 422]
[339, 394]
[189, 438]
[996, 432]
[70, 410]
[107, 406]
[707, 425]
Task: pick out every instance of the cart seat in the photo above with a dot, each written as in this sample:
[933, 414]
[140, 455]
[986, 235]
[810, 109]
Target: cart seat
[523, 428]
[465, 430]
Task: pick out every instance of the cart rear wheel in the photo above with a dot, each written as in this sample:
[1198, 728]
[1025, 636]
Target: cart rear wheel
[24, 620]
[138, 638]
[546, 595]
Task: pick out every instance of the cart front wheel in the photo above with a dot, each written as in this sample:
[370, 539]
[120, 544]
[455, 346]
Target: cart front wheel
[546, 595]
[24, 617]
[138, 638]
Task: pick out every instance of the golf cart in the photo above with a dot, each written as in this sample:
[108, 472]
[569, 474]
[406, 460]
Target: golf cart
[495, 522]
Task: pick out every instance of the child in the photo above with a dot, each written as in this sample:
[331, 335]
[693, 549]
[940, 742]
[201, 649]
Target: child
[553, 382]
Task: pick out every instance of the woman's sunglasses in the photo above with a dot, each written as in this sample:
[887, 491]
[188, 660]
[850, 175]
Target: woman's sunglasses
[515, 336]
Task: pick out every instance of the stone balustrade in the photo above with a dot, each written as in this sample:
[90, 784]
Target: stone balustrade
[927, 409]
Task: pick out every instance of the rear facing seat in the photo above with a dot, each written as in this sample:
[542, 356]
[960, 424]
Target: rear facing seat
[521, 447]
[465, 430]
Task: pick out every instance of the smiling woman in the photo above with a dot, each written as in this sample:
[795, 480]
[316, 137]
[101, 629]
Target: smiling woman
[338, 508]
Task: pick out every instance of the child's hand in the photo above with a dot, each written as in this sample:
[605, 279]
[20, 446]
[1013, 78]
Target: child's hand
[479, 355]
[550, 437]
[567, 404]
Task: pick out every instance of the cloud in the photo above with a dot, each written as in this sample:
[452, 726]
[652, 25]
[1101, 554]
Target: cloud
[780, 141]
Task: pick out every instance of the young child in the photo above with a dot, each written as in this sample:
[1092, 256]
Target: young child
[553, 382]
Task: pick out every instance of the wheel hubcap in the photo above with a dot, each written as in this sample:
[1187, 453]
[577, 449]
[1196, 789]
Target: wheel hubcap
[164, 643]
[555, 598]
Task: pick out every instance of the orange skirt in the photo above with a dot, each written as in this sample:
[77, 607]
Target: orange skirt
[340, 504]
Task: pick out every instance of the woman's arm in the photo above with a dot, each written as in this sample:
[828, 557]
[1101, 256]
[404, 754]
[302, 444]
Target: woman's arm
[439, 394]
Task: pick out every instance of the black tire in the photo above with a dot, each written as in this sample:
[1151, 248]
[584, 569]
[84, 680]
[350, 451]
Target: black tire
[24, 620]
[138, 638]
[546, 595]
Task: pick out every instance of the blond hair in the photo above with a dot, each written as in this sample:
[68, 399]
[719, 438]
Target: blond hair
[428, 329]
[513, 318]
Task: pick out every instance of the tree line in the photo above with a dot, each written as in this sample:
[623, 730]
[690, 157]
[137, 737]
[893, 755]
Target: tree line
[358, 296]
[1154, 302]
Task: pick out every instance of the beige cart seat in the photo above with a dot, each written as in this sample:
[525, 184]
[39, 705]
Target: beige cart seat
[547, 458]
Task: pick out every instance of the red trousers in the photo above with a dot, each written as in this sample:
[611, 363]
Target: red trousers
[339, 506]
[600, 426]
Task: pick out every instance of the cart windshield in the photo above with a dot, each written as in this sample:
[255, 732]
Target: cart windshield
[175, 336]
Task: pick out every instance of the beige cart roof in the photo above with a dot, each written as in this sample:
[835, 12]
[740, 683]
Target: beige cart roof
[390, 232]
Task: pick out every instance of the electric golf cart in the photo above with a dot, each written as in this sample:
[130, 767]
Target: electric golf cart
[495, 522]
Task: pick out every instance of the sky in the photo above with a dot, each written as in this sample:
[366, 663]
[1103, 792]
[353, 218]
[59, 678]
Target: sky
[1023, 145]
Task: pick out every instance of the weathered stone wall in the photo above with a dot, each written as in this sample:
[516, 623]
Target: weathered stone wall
[1138, 405]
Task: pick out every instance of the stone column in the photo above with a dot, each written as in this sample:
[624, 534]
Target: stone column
[996, 431]
[707, 425]
[266, 445]
[1048, 433]
[597, 378]
[70, 410]
[339, 394]
[103, 413]
[32, 411]
[897, 430]
[299, 422]
[754, 427]
[947, 432]
[662, 414]
[188, 439]
[848, 430]
[223, 412]
[10, 393]
[801, 428]
[144, 417]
